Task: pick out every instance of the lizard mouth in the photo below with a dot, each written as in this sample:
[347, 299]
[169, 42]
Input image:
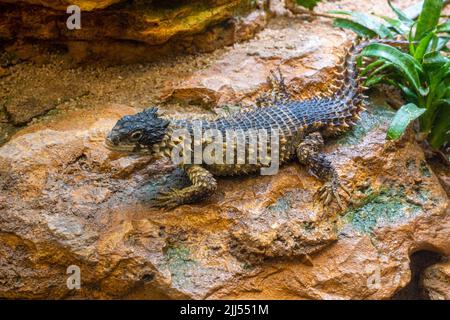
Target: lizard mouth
[124, 148]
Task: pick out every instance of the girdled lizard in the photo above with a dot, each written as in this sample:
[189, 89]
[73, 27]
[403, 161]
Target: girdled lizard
[302, 126]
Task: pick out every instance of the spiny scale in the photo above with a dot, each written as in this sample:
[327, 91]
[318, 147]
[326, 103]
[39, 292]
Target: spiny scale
[344, 103]
[329, 114]
[301, 125]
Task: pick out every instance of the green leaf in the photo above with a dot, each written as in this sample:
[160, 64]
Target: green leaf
[373, 80]
[359, 62]
[440, 132]
[412, 47]
[445, 27]
[308, 4]
[441, 74]
[424, 91]
[442, 89]
[407, 113]
[397, 25]
[401, 15]
[429, 18]
[367, 21]
[410, 95]
[372, 66]
[442, 43]
[402, 61]
[355, 27]
[438, 81]
[433, 60]
[386, 64]
[437, 43]
[423, 46]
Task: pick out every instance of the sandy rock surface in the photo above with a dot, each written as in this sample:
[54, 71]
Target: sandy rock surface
[436, 281]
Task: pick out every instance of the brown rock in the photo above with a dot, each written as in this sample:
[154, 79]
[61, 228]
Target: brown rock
[64, 203]
[85, 5]
[436, 281]
[305, 60]
[137, 32]
[440, 166]
[24, 102]
[148, 23]
[250, 25]
[4, 72]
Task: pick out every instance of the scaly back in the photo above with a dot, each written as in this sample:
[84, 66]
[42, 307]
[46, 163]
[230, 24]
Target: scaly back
[338, 108]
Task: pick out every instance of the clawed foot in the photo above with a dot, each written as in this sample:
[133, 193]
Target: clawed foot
[278, 90]
[277, 80]
[168, 199]
[330, 190]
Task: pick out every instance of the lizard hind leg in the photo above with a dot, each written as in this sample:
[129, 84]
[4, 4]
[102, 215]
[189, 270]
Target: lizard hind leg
[203, 185]
[309, 153]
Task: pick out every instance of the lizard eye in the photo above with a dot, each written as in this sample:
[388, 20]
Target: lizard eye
[136, 135]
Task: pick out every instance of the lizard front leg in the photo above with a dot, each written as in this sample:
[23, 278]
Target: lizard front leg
[278, 91]
[203, 185]
[309, 153]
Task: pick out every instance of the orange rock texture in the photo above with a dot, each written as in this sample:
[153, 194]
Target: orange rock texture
[157, 28]
[436, 281]
[65, 200]
[86, 5]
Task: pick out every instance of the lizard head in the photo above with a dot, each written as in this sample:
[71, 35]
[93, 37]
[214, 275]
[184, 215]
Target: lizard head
[137, 133]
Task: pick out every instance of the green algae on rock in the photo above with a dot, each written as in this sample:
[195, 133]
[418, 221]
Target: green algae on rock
[179, 264]
[381, 208]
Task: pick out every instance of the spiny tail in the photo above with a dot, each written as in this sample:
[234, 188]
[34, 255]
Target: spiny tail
[349, 88]
[349, 80]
